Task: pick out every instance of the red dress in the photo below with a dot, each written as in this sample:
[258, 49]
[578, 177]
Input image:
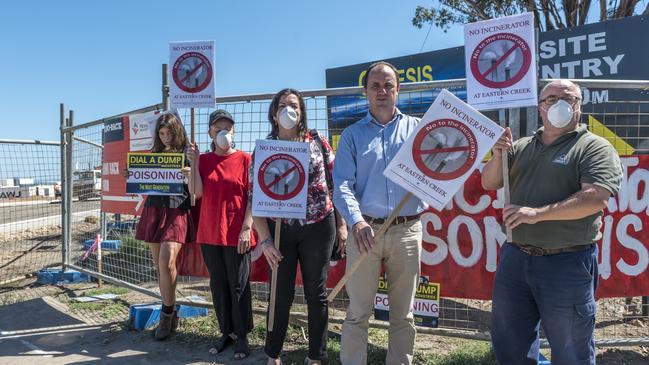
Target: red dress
[166, 219]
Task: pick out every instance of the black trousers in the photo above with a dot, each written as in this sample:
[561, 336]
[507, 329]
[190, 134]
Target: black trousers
[311, 246]
[230, 286]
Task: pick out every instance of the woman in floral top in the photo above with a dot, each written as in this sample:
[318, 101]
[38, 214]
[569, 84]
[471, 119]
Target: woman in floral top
[309, 242]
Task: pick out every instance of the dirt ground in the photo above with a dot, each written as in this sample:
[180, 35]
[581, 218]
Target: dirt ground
[48, 323]
[40, 323]
[44, 322]
[32, 249]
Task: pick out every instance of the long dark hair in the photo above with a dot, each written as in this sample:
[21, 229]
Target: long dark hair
[179, 141]
[302, 126]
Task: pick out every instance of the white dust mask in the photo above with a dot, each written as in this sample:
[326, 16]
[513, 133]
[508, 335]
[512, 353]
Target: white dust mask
[560, 114]
[288, 118]
[223, 139]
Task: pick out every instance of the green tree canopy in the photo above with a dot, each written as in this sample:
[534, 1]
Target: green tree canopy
[548, 14]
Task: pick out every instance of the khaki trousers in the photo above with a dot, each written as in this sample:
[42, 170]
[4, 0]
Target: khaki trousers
[399, 251]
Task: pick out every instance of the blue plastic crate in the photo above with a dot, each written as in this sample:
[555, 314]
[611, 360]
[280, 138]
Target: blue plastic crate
[105, 245]
[144, 316]
[122, 226]
[56, 276]
[186, 311]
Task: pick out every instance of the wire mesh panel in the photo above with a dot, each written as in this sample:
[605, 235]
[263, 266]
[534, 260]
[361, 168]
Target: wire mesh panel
[30, 209]
[251, 121]
[251, 124]
[621, 122]
[120, 256]
[624, 123]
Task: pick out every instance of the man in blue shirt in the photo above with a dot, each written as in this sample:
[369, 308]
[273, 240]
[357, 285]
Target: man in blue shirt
[365, 198]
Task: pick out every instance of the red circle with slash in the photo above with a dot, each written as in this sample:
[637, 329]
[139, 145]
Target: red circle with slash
[513, 45]
[426, 148]
[281, 159]
[195, 61]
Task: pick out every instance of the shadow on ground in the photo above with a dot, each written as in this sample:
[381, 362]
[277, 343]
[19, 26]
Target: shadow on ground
[35, 332]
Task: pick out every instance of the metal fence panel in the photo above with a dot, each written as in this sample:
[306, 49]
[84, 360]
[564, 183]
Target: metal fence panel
[627, 119]
[130, 264]
[30, 219]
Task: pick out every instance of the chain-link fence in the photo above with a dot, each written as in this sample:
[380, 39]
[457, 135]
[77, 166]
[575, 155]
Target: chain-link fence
[127, 262]
[30, 209]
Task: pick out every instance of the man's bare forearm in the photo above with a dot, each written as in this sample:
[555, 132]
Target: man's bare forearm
[587, 201]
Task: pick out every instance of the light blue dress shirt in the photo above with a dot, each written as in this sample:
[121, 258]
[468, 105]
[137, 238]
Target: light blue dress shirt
[364, 150]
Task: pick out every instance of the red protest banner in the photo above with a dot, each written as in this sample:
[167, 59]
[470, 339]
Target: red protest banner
[461, 243]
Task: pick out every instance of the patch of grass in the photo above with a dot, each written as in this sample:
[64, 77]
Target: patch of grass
[473, 353]
[132, 247]
[105, 290]
[9, 299]
[258, 334]
[103, 309]
[198, 330]
[205, 330]
[377, 336]
[296, 348]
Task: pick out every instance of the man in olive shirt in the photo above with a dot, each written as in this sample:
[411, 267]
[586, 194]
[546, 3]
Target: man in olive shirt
[560, 181]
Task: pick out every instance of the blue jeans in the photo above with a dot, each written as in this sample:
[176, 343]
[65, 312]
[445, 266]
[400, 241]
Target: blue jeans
[555, 291]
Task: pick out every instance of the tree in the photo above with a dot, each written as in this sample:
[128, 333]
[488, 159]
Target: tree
[548, 14]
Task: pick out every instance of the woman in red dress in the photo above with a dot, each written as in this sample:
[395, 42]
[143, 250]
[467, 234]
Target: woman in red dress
[165, 224]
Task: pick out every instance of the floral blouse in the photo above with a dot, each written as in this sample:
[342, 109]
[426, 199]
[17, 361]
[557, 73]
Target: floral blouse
[319, 204]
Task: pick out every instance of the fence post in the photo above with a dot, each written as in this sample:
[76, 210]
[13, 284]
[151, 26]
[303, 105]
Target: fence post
[514, 122]
[103, 221]
[64, 186]
[532, 121]
[103, 230]
[67, 224]
[165, 87]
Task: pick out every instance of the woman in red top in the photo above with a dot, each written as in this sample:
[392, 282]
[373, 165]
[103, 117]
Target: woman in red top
[165, 224]
[224, 230]
[309, 241]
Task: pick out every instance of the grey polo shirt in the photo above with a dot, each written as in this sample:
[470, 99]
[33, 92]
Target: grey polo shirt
[540, 175]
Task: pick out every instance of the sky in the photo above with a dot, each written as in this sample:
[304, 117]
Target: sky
[102, 58]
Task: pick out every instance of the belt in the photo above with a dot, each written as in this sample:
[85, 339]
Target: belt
[538, 251]
[397, 220]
